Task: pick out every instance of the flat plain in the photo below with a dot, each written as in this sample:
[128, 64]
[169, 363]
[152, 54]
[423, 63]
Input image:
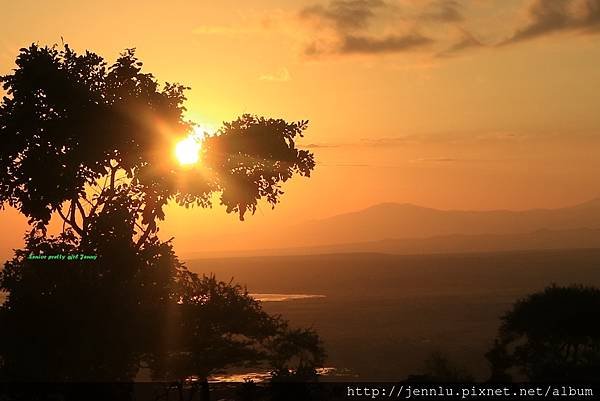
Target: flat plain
[382, 315]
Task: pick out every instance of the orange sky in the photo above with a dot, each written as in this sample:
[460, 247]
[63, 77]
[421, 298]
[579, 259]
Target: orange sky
[452, 104]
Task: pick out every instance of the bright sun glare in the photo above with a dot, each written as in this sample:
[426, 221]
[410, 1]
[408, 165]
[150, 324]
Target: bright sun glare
[187, 150]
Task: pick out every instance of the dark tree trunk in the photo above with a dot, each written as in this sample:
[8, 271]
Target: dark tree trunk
[205, 390]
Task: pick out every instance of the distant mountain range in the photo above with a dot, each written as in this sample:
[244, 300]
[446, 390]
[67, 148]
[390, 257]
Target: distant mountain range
[405, 229]
[392, 220]
[457, 243]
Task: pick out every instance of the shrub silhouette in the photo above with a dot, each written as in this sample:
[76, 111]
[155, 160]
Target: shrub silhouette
[553, 335]
[440, 369]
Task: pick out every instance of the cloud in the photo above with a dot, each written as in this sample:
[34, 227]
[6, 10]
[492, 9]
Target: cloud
[435, 28]
[321, 145]
[450, 160]
[439, 144]
[388, 141]
[504, 136]
[346, 27]
[367, 143]
[443, 11]
[344, 14]
[545, 17]
[282, 75]
[346, 165]
[223, 30]
[466, 41]
[386, 44]
[436, 160]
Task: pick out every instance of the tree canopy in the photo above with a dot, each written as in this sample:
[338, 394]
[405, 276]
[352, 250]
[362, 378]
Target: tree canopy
[553, 335]
[91, 143]
[70, 119]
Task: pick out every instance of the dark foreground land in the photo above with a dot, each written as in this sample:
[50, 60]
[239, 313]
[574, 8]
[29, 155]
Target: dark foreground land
[383, 315]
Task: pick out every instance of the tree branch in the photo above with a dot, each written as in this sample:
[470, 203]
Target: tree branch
[113, 172]
[70, 221]
[80, 208]
[146, 234]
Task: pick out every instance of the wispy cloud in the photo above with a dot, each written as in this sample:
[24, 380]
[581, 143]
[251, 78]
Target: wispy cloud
[368, 142]
[321, 145]
[436, 160]
[345, 14]
[435, 28]
[345, 27]
[443, 11]
[505, 136]
[384, 44]
[388, 141]
[225, 30]
[466, 41]
[282, 75]
[325, 164]
[452, 160]
[545, 17]
[443, 138]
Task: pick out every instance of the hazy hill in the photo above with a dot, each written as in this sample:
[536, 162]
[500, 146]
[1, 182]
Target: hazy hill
[392, 220]
[457, 243]
[405, 229]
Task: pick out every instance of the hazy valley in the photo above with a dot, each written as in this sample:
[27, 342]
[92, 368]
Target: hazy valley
[382, 315]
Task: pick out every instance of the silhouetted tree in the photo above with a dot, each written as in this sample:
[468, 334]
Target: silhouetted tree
[75, 130]
[553, 335]
[500, 362]
[91, 143]
[440, 369]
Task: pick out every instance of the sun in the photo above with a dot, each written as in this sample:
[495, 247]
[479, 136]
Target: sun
[187, 150]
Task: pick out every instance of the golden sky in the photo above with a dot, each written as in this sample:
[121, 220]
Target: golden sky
[476, 104]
